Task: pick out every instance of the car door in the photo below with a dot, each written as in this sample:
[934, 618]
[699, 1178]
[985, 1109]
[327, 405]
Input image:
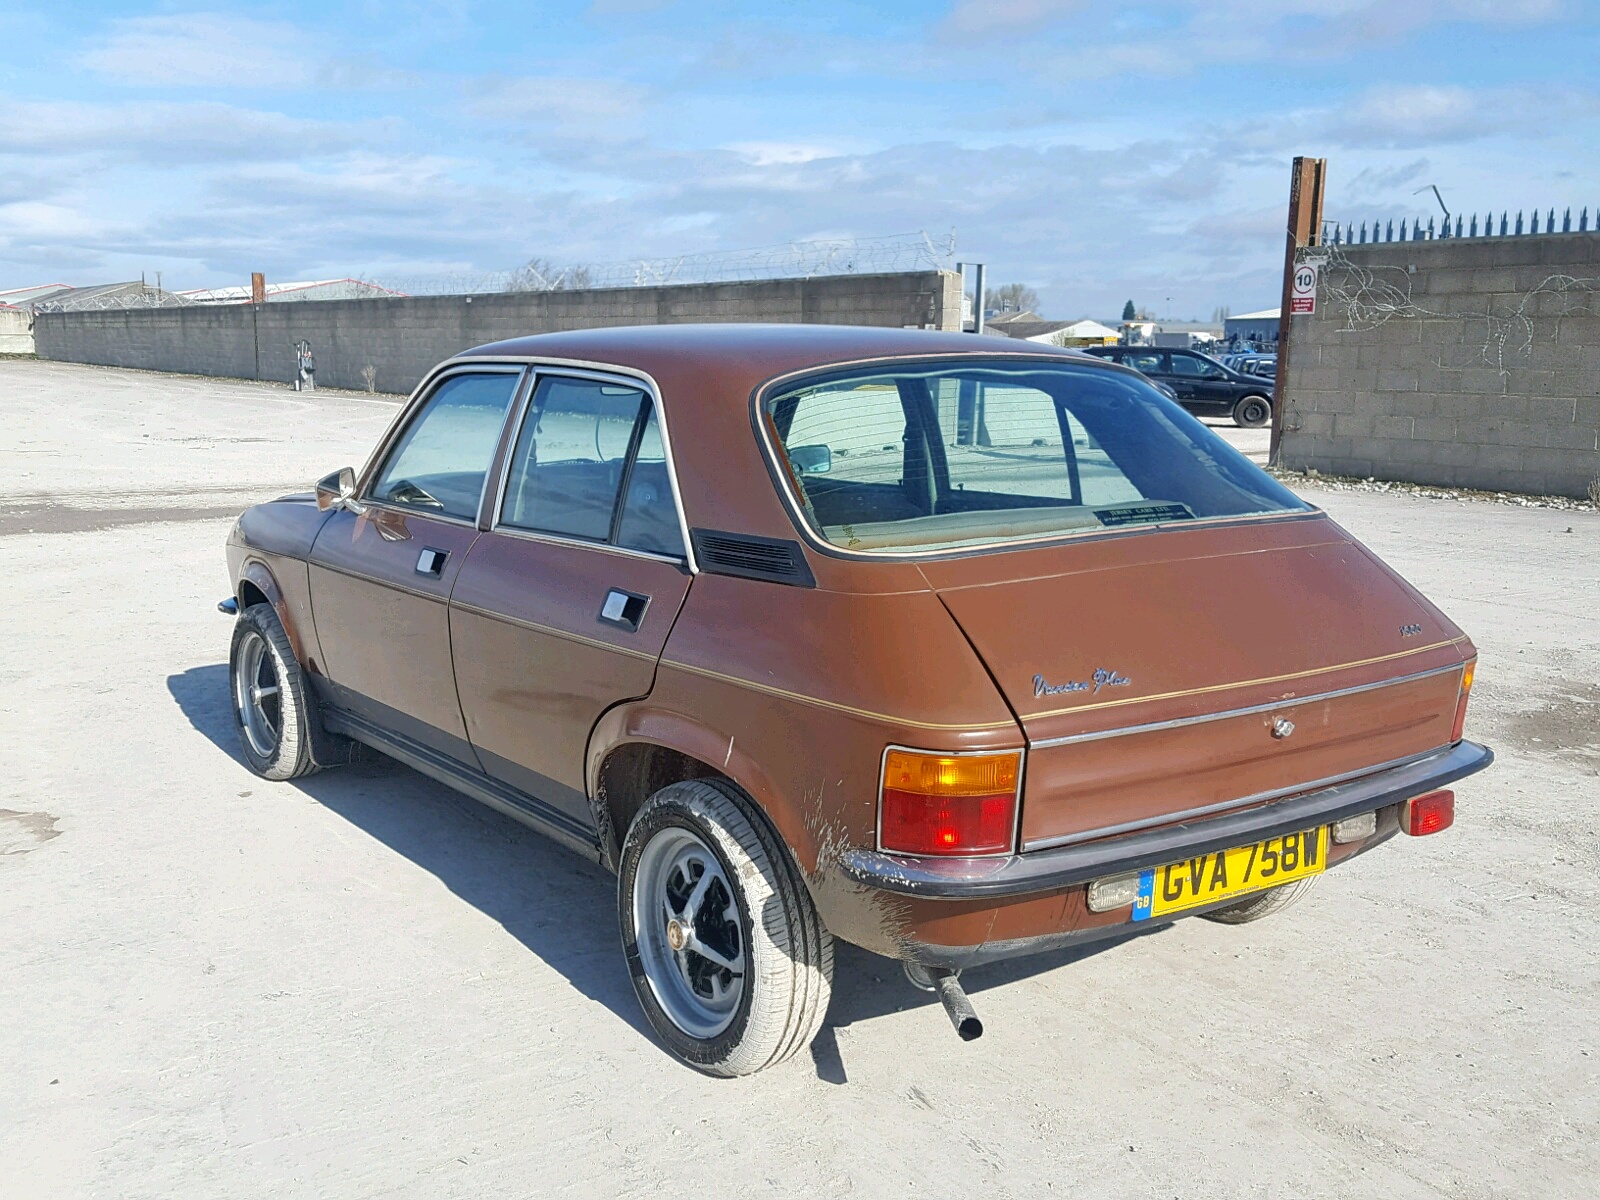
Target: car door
[564, 604]
[1212, 385]
[382, 568]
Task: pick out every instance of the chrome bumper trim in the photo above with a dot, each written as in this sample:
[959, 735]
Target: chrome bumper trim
[1067, 866]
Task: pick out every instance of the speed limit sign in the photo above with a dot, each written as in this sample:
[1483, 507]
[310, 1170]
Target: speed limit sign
[1303, 288]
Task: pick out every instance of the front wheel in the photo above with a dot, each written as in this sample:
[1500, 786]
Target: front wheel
[1252, 412]
[727, 954]
[272, 709]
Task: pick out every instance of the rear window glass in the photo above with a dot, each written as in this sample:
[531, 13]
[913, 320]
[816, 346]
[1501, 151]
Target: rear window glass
[924, 458]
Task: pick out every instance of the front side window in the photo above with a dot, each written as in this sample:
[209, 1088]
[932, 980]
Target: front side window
[440, 462]
[937, 457]
[589, 463]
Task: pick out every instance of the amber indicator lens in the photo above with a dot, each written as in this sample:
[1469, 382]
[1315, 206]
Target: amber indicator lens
[949, 804]
[1429, 813]
[1461, 702]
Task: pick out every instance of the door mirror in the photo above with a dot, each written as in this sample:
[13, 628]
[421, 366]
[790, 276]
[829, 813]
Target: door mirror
[811, 460]
[336, 490]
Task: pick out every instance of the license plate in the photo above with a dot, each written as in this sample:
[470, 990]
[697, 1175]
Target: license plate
[1224, 874]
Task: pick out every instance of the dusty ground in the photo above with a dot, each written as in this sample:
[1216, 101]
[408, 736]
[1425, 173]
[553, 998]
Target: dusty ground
[363, 986]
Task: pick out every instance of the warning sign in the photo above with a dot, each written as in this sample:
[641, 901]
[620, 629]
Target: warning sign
[1303, 287]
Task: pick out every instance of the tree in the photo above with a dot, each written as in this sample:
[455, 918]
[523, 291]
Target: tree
[1129, 312]
[1012, 297]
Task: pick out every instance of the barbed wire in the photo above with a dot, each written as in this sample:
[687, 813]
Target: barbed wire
[788, 260]
[1367, 300]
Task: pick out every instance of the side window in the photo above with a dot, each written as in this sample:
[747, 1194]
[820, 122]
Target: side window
[649, 516]
[1187, 366]
[1209, 369]
[566, 469]
[440, 462]
[1149, 364]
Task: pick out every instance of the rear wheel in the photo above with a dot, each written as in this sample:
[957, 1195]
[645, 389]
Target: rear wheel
[1263, 904]
[271, 708]
[1252, 412]
[727, 954]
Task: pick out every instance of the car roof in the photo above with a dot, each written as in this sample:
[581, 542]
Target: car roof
[748, 354]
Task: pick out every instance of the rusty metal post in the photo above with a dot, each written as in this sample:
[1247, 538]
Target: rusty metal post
[258, 288]
[1304, 229]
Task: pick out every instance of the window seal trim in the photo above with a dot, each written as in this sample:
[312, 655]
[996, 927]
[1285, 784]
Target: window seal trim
[809, 537]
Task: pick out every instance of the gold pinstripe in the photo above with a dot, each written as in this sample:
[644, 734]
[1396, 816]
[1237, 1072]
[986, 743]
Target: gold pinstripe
[833, 704]
[877, 716]
[563, 634]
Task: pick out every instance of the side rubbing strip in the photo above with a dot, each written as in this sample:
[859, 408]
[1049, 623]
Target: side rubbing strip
[749, 557]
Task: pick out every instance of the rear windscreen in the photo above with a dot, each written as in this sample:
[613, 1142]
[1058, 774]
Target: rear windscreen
[922, 458]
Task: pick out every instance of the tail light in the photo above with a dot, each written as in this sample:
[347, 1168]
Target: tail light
[1429, 813]
[1461, 701]
[949, 803]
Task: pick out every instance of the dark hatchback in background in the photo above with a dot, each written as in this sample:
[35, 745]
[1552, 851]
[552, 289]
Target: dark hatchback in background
[1203, 385]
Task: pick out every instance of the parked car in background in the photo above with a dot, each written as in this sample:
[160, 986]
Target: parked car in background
[814, 632]
[1263, 366]
[1203, 385]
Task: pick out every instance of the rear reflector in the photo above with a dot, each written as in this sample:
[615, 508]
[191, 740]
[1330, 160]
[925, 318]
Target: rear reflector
[1461, 701]
[949, 803]
[1429, 813]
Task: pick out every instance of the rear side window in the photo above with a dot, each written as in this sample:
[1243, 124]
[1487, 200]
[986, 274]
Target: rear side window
[943, 456]
[589, 463]
[440, 462]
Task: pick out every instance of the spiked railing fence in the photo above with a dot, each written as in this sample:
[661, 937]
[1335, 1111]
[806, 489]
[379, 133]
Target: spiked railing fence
[1335, 233]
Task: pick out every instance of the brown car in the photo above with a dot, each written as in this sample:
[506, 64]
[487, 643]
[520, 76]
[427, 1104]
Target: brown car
[950, 650]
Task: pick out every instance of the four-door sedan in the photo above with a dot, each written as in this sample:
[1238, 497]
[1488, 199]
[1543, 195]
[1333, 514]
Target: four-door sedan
[1202, 384]
[953, 651]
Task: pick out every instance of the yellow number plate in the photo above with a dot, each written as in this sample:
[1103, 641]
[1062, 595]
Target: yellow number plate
[1224, 874]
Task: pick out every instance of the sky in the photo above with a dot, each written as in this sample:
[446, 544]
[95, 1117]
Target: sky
[1096, 152]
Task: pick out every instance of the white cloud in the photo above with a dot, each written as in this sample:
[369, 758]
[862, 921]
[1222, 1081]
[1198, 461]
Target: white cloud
[560, 105]
[202, 50]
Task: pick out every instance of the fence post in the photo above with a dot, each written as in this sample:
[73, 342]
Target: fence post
[1306, 180]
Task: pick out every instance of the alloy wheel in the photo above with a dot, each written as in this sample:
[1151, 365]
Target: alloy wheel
[690, 933]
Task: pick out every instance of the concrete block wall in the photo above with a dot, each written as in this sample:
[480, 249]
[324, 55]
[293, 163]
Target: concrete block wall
[1463, 363]
[402, 338]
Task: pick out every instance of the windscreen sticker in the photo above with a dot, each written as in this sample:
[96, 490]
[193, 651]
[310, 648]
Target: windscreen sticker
[1143, 514]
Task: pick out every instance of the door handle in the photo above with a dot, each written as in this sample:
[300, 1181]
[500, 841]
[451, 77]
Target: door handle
[431, 562]
[624, 609]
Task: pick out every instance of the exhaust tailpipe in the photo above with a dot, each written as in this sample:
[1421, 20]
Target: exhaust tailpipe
[954, 998]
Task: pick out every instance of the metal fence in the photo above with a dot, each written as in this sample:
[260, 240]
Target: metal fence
[788, 260]
[1335, 234]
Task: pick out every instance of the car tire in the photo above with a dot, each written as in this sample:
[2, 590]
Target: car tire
[682, 932]
[1252, 412]
[1263, 904]
[274, 726]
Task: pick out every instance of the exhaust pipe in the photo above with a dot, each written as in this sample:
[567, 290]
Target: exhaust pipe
[954, 998]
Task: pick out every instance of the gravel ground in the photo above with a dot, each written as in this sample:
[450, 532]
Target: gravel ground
[362, 985]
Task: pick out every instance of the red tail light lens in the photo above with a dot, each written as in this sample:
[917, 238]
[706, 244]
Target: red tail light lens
[949, 804]
[1461, 701]
[1429, 813]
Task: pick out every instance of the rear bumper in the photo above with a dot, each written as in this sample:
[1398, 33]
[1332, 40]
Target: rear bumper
[1051, 870]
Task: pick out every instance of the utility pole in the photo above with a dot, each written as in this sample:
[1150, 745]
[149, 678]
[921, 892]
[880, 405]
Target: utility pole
[1304, 229]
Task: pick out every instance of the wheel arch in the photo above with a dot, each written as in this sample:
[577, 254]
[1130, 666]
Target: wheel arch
[637, 749]
[258, 585]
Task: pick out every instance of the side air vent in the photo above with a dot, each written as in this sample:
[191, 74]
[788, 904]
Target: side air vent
[751, 557]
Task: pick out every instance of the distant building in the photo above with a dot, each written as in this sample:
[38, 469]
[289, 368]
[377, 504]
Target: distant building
[1260, 328]
[1031, 327]
[313, 289]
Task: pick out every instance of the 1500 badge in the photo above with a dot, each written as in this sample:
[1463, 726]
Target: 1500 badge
[1103, 677]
